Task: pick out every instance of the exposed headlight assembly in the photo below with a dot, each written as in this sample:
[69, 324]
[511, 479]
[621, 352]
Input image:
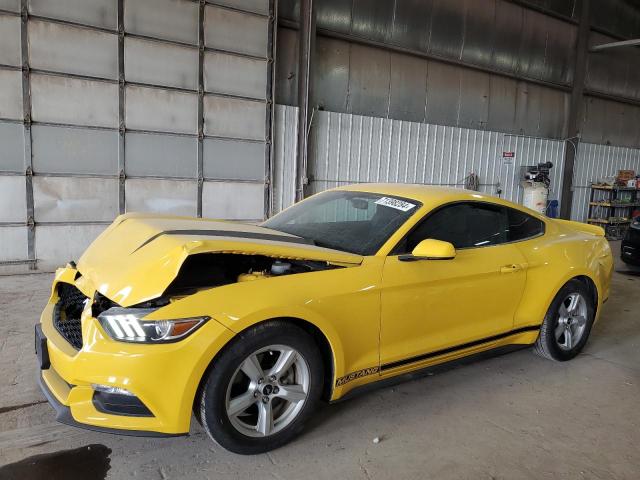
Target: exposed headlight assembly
[126, 325]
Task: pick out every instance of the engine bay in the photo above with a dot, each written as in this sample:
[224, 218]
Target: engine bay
[206, 270]
[209, 270]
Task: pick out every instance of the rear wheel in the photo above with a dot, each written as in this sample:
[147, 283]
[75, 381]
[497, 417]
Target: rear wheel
[262, 388]
[568, 322]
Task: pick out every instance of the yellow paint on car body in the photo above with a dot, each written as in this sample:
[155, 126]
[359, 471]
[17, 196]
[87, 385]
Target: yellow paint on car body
[375, 311]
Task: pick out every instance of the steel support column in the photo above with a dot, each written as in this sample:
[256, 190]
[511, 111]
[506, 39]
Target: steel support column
[575, 109]
[270, 115]
[201, 52]
[28, 157]
[306, 42]
[122, 205]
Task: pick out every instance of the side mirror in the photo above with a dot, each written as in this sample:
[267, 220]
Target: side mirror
[430, 249]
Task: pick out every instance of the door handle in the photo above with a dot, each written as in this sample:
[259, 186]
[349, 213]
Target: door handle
[514, 267]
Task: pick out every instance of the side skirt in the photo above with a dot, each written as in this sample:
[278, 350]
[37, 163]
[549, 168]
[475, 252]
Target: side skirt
[430, 370]
[457, 348]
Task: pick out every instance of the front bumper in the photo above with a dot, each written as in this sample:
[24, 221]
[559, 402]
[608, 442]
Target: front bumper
[163, 377]
[63, 415]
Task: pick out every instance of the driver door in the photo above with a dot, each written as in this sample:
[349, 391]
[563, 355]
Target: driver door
[437, 307]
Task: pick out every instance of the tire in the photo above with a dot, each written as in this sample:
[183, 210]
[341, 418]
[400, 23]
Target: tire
[279, 396]
[567, 325]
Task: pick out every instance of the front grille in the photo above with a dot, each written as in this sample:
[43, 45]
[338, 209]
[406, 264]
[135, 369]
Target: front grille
[67, 312]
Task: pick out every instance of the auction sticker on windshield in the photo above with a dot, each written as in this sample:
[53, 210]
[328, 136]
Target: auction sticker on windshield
[395, 203]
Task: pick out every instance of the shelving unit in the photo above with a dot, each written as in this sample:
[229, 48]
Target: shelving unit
[611, 207]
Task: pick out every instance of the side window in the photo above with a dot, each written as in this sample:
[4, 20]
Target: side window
[488, 225]
[447, 224]
[465, 225]
[523, 226]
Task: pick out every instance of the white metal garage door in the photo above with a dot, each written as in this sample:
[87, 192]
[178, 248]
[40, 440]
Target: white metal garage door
[109, 106]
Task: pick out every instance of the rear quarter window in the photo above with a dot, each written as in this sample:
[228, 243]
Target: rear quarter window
[523, 226]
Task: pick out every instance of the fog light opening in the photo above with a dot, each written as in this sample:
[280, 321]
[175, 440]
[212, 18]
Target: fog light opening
[111, 390]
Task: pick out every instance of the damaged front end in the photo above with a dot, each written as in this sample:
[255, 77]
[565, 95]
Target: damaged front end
[198, 272]
[98, 371]
[154, 299]
[142, 258]
[142, 264]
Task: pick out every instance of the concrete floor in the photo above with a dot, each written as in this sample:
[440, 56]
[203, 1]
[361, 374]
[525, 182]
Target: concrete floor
[513, 416]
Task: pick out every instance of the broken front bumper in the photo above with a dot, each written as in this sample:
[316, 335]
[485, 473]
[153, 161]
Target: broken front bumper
[163, 378]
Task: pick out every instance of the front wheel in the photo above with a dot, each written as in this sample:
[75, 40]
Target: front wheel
[262, 388]
[568, 322]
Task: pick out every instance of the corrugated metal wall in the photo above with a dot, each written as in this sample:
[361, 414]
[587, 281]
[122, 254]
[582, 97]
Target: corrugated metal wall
[613, 72]
[610, 122]
[499, 65]
[369, 81]
[494, 34]
[419, 89]
[352, 78]
[593, 163]
[128, 105]
[355, 149]
[618, 17]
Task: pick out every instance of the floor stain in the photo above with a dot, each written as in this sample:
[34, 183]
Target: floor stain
[85, 463]
[21, 406]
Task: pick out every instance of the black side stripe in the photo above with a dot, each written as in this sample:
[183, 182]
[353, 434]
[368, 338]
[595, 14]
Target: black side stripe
[444, 351]
[233, 234]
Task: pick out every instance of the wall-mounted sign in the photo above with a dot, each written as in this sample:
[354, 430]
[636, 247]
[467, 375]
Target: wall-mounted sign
[507, 158]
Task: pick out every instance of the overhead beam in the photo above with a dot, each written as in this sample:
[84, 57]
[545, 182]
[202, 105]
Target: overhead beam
[545, 11]
[625, 43]
[575, 109]
[612, 98]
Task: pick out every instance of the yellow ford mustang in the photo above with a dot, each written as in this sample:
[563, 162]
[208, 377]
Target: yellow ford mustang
[249, 327]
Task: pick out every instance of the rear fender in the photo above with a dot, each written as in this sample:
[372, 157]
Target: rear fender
[581, 227]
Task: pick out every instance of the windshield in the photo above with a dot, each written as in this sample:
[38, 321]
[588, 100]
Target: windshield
[355, 222]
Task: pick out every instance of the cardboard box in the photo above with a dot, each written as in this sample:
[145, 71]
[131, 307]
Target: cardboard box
[625, 175]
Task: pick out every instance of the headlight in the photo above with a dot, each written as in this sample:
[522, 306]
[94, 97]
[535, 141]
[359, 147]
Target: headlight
[126, 325]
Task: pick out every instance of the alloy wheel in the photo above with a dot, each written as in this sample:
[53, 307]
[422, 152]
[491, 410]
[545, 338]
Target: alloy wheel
[267, 391]
[572, 321]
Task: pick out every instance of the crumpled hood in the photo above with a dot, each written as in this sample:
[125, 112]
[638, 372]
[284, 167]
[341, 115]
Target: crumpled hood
[138, 255]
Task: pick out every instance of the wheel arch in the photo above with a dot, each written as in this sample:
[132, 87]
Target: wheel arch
[585, 279]
[327, 352]
[593, 289]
